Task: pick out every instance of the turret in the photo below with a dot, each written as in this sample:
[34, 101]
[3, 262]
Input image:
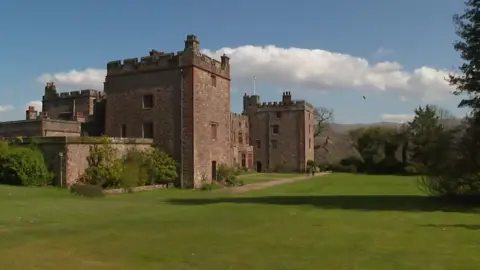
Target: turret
[287, 98]
[250, 103]
[31, 113]
[192, 44]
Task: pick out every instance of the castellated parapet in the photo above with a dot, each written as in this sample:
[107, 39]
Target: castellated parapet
[53, 95]
[156, 60]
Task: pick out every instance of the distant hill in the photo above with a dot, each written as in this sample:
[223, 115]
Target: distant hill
[342, 145]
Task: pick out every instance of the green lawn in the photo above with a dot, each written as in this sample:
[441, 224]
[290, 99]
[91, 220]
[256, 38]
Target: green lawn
[333, 222]
[253, 178]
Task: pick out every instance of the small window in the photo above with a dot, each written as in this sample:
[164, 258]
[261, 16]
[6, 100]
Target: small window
[244, 160]
[279, 114]
[148, 101]
[240, 138]
[274, 144]
[147, 130]
[213, 130]
[123, 131]
[246, 138]
[234, 138]
[240, 124]
[275, 129]
[258, 144]
[214, 81]
[309, 143]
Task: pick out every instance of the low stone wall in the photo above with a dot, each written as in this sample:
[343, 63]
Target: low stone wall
[67, 157]
[135, 189]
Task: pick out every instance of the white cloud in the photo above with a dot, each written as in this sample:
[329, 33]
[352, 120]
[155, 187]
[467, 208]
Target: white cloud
[88, 78]
[302, 69]
[37, 104]
[6, 108]
[400, 118]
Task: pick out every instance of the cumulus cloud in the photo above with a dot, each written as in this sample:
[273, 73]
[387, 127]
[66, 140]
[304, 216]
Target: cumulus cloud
[37, 104]
[88, 78]
[6, 108]
[400, 118]
[304, 69]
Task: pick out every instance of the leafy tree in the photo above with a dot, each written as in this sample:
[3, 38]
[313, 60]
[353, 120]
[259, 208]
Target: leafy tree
[105, 167]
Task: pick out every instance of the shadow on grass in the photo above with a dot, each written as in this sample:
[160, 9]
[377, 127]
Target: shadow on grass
[445, 226]
[348, 202]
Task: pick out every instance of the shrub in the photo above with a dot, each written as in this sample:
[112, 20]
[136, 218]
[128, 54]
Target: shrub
[209, 187]
[134, 171]
[87, 190]
[342, 168]
[23, 166]
[160, 166]
[410, 170]
[228, 176]
[105, 168]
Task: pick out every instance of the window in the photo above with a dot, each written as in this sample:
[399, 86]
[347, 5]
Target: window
[244, 161]
[214, 81]
[279, 114]
[213, 130]
[309, 143]
[275, 129]
[240, 124]
[123, 131]
[258, 144]
[240, 138]
[148, 101]
[147, 130]
[234, 138]
[246, 138]
[274, 144]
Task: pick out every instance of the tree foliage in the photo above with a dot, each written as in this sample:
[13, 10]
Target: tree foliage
[323, 117]
[20, 165]
[160, 166]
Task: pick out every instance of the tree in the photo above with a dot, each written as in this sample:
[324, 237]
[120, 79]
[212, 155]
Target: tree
[323, 117]
[468, 30]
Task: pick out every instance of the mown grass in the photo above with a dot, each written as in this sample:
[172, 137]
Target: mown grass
[337, 222]
[253, 178]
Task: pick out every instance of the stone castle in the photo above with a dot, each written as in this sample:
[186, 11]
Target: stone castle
[182, 102]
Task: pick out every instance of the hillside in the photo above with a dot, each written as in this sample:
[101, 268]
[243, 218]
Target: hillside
[342, 145]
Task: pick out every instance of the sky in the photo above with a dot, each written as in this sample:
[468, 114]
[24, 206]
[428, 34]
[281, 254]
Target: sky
[330, 53]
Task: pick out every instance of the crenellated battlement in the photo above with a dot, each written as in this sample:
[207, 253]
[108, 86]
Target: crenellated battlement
[157, 60]
[74, 94]
[278, 105]
[239, 117]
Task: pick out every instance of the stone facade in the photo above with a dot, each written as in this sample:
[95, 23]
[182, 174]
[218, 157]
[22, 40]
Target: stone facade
[182, 102]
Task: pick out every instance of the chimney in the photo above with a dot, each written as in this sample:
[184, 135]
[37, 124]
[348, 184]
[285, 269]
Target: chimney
[31, 113]
[287, 97]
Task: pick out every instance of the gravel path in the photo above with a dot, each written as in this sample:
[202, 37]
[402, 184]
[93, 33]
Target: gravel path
[263, 185]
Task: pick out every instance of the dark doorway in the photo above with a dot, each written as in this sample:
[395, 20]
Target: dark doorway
[259, 166]
[214, 170]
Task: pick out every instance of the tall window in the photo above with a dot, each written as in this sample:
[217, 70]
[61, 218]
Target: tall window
[123, 131]
[244, 161]
[279, 114]
[214, 80]
[246, 138]
[258, 144]
[147, 130]
[240, 138]
[148, 101]
[275, 129]
[213, 130]
[274, 144]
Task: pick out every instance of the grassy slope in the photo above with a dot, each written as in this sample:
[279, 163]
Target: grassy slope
[333, 222]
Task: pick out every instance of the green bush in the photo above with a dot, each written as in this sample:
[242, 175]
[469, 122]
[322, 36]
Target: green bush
[228, 176]
[92, 191]
[209, 187]
[23, 166]
[134, 171]
[160, 166]
[104, 167]
[342, 168]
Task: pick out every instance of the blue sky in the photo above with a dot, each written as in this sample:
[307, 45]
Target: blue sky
[331, 53]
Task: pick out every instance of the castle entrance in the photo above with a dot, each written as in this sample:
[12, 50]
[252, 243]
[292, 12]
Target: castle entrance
[259, 166]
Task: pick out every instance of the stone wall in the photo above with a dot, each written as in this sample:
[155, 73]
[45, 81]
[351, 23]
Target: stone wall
[69, 167]
[39, 128]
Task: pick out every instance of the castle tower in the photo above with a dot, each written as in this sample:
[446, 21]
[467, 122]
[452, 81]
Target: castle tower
[31, 113]
[180, 100]
[250, 103]
[287, 97]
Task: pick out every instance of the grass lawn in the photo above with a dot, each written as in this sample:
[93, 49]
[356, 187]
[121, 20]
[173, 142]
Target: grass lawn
[333, 222]
[253, 178]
